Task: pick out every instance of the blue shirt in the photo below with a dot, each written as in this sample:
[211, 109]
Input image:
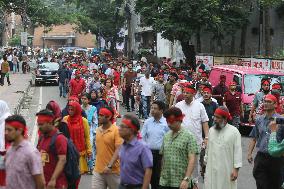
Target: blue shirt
[135, 157]
[261, 132]
[153, 132]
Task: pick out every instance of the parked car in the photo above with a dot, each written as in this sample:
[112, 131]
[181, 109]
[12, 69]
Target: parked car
[47, 73]
[248, 82]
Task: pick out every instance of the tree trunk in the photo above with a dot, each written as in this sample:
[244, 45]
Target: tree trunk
[243, 39]
[189, 53]
[267, 36]
[198, 41]
[233, 41]
[220, 45]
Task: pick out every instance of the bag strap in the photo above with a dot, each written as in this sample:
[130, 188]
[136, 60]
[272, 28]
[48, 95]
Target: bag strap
[52, 145]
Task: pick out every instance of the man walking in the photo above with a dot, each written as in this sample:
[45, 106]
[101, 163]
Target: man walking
[195, 120]
[267, 170]
[5, 69]
[53, 163]
[209, 104]
[158, 93]
[108, 141]
[153, 133]
[233, 101]
[220, 90]
[173, 77]
[136, 160]
[224, 153]
[77, 85]
[146, 84]
[23, 162]
[179, 151]
[257, 103]
[63, 75]
[129, 77]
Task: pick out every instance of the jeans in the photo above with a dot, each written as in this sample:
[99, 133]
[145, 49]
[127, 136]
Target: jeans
[62, 89]
[146, 106]
[14, 68]
[267, 171]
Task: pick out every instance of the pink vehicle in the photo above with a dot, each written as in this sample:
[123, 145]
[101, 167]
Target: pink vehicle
[248, 80]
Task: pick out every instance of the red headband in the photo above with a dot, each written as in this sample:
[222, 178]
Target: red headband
[276, 86]
[44, 119]
[271, 97]
[105, 112]
[265, 82]
[18, 125]
[172, 119]
[207, 89]
[189, 90]
[223, 113]
[232, 83]
[128, 123]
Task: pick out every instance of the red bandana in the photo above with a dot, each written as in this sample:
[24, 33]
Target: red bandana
[223, 113]
[173, 119]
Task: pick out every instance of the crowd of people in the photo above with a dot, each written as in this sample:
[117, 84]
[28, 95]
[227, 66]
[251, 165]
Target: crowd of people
[188, 130]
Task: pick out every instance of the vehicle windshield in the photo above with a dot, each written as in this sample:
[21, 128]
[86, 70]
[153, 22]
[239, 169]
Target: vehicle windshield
[49, 66]
[252, 83]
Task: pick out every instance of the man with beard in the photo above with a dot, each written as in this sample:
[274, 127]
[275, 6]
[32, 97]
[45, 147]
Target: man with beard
[257, 104]
[224, 144]
[233, 101]
[77, 85]
[23, 162]
[220, 90]
[173, 77]
[267, 170]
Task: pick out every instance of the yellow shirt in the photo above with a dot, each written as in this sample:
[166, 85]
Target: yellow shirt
[106, 144]
[5, 67]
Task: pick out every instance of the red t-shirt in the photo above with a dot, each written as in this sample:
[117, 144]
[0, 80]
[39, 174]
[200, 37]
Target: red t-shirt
[77, 86]
[116, 78]
[49, 160]
[233, 103]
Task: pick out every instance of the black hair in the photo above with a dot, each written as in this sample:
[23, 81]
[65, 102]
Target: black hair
[134, 120]
[160, 104]
[5, 58]
[111, 81]
[45, 112]
[173, 111]
[18, 118]
[88, 95]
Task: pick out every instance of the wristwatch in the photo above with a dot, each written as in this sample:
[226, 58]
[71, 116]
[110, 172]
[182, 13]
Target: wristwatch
[187, 179]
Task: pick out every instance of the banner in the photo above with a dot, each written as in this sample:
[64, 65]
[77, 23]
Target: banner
[277, 65]
[261, 63]
[207, 60]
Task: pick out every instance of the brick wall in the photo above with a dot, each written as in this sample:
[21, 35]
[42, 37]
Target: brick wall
[80, 40]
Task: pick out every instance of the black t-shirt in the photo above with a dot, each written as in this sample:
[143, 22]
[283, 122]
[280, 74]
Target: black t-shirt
[210, 109]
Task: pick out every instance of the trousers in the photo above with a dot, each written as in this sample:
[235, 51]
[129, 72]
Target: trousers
[267, 171]
[156, 170]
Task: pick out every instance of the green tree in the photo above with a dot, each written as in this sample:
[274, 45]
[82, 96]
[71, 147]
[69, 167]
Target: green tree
[179, 20]
[103, 18]
[15, 41]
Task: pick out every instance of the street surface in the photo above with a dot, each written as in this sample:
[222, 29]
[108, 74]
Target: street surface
[42, 95]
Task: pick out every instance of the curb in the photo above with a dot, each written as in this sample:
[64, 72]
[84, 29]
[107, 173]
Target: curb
[18, 107]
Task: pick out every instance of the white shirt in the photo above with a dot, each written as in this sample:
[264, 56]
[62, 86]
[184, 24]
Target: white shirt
[10, 58]
[201, 100]
[147, 85]
[195, 115]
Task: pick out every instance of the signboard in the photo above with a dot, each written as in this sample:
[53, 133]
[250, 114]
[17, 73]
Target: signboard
[261, 63]
[207, 60]
[218, 60]
[277, 65]
[245, 62]
[24, 38]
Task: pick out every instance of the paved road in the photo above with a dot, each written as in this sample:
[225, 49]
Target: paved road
[42, 95]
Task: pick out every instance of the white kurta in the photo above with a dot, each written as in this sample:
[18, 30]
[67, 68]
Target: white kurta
[224, 152]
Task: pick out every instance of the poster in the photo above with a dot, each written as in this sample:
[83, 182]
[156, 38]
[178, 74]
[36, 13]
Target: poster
[207, 60]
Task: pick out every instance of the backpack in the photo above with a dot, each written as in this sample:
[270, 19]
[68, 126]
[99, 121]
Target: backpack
[71, 168]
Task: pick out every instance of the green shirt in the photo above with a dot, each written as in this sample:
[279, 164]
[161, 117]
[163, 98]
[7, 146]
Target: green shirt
[175, 151]
[274, 148]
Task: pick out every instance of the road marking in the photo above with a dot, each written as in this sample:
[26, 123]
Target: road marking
[34, 133]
